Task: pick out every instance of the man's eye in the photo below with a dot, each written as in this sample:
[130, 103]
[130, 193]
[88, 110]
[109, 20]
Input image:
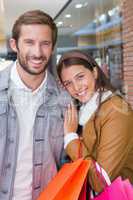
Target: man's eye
[46, 43]
[28, 42]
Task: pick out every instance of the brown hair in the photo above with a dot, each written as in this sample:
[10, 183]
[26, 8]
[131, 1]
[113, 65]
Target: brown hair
[34, 17]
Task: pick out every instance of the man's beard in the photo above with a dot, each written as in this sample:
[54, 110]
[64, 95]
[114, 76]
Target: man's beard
[25, 67]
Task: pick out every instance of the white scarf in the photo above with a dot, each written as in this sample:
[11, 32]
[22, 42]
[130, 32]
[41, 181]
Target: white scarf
[88, 109]
[85, 113]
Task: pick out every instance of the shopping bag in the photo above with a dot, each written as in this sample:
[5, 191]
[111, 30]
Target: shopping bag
[68, 182]
[128, 189]
[118, 190]
[84, 194]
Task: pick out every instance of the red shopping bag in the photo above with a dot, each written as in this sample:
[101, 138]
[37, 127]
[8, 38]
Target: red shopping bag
[118, 190]
[68, 182]
[84, 193]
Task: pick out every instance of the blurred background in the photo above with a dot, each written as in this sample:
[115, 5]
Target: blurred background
[104, 28]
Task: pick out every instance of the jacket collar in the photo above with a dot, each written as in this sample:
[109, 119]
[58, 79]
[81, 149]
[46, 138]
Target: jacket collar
[51, 83]
[51, 92]
[5, 78]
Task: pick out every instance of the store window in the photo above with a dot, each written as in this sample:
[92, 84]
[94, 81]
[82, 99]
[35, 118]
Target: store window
[3, 40]
[94, 26]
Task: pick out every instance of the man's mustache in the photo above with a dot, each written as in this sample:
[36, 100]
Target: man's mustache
[43, 58]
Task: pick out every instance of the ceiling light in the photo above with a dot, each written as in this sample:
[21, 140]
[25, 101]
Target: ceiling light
[60, 23]
[68, 15]
[79, 5]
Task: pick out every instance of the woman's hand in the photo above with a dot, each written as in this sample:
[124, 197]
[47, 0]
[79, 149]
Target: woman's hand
[71, 119]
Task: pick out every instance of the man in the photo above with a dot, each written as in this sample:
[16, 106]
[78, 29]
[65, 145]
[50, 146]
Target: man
[31, 127]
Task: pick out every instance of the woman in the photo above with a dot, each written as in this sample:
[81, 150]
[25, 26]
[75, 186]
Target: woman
[106, 118]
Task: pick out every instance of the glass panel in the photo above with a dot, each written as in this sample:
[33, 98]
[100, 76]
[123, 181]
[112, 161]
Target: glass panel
[94, 26]
[3, 42]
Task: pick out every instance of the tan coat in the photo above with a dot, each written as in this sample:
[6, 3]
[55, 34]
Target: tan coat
[112, 148]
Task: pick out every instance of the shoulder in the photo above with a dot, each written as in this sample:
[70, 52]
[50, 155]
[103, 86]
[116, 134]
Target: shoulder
[5, 76]
[115, 109]
[61, 95]
[51, 81]
[116, 104]
[5, 70]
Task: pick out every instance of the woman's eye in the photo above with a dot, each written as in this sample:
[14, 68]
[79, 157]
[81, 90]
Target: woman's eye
[67, 84]
[81, 76]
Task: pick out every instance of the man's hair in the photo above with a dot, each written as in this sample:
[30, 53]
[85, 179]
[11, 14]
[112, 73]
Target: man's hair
[34, 17]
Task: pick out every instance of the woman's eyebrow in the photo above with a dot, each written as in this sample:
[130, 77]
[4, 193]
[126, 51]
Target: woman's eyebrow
[78, 74]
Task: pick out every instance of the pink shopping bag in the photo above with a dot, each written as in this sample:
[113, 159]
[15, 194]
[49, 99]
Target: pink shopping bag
[128, 189]
[118, 190]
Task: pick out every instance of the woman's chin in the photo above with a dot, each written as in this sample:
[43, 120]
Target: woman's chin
[85, 99]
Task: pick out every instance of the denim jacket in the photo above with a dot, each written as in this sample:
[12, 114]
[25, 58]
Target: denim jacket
[47, 137]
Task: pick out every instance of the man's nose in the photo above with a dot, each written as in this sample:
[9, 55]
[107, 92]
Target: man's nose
[37, 50]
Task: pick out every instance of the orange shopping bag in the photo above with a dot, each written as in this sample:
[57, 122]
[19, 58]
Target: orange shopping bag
[68, 182]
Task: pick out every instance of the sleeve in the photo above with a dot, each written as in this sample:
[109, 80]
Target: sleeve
[113, 148]
[69, 137]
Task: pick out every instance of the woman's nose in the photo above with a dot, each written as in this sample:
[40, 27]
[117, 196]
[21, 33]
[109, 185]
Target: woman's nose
[77, 86]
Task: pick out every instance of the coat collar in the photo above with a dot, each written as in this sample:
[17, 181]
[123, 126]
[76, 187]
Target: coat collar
[87, 110]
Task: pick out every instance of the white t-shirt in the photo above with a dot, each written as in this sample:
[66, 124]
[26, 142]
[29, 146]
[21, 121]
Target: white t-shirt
[26, 103]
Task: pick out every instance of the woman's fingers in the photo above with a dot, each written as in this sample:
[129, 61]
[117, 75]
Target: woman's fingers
[71, 119]
[67, 120]
[74, 112]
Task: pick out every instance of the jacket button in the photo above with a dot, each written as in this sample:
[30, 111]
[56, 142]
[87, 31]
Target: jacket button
[10, 140]
[4, 191]
[8, 166]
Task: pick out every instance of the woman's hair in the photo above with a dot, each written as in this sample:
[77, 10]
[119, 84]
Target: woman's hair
[34, 17]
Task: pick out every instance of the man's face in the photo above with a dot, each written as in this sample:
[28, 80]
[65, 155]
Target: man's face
[34, 48]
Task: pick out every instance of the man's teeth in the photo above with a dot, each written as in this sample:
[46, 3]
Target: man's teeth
[37, 61]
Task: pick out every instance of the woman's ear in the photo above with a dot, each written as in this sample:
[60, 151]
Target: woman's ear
[13, 45]
[95, 72]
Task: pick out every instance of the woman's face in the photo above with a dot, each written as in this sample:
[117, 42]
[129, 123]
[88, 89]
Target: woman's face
[79, 82]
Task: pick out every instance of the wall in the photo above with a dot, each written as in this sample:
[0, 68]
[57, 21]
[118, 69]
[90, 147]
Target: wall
[127, 12]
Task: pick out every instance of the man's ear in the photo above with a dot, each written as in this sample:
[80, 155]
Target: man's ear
[13, 45]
